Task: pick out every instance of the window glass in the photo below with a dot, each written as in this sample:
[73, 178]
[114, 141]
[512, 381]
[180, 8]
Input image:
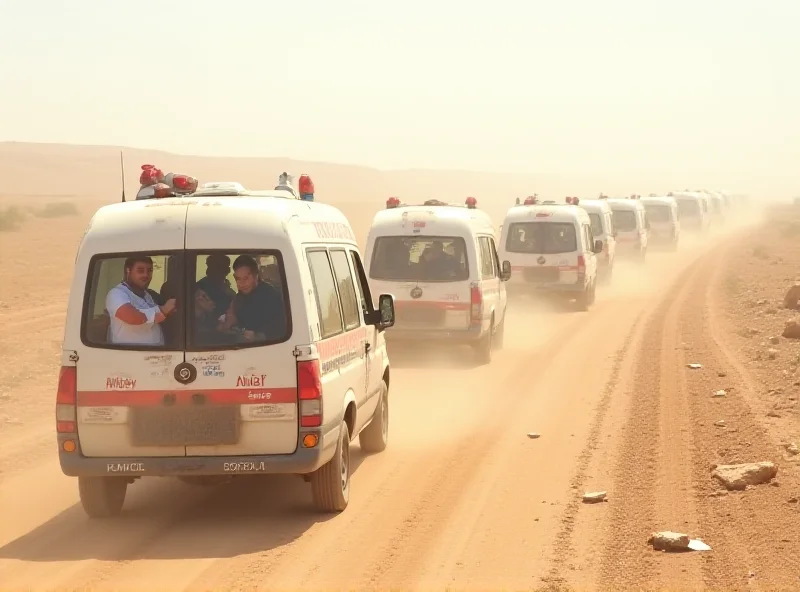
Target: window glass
[543, 238]
[364, 292]
[238, 299]
[487, 265]
[330, 316]
[420, 258]
[347, 290]
[124, 299]
[597, 224]
[625, 220]
[213, 301]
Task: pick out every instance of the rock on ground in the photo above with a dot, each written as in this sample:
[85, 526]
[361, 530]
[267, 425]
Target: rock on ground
[669, 541]
[738, 477]
[792, 330]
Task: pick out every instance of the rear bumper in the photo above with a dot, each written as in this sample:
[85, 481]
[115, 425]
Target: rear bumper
[303, 460]
[405, 335]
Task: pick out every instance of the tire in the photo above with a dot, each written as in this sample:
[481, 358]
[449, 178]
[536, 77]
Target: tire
[483, 349]
[330, 484]
[499, 336]
[583, 300]
[102, 497]
[375, 437]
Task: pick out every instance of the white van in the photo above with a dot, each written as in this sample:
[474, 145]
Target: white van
[228, 332]
[665, 226]
[603, 230]
[552, 250]
[630, 222]
[692, 211]
[440, 262]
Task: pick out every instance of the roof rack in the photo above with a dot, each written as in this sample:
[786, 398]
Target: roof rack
[394, 202]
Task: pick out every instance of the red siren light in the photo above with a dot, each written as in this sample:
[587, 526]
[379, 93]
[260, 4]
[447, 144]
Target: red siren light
[392, 202]
[184, 182]
[531, 200]
[306, 187]
[150, 175]
[472, 203]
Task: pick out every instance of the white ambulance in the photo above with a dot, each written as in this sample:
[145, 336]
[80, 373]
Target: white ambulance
[440, 263]
[552, 250]
[603, 230]
[665, 226]
[224, 333]
[630, 222]
[692, 211]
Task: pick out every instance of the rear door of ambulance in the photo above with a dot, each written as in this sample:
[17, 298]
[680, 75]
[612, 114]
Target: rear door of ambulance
[119, 388]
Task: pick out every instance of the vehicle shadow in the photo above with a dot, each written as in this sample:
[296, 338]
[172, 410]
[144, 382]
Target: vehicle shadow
[168, 519]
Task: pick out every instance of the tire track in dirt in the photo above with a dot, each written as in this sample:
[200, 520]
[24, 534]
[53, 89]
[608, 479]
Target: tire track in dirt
[647, 485]
[408, 533]
[757, 530]
[562, 548]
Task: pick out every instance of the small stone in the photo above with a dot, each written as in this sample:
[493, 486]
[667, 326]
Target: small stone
[793, 500]
[594, 497]
[775, 483]
[773, 413]
[772, 353]
[669, 541]
[533, 435]
[719, 493]
[720, 393]
[774, 340]
[722, 374]
[720, 423]
[792, 448]
[739, 477]
[694, 366]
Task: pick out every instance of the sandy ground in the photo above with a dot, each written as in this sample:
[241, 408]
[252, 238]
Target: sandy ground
[462, 498]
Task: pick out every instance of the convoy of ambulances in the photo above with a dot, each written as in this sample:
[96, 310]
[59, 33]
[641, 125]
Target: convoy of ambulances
[603, 230]
[692, 211]
[440, 263]
[222, 333]
[630, 222]
[665, 226]
[552, 250]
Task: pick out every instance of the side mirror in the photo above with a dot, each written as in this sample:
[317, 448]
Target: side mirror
[385, 311]
[598, 247]
[505, 271]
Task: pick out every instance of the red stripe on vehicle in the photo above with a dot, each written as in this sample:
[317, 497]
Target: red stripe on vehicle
[251, 396]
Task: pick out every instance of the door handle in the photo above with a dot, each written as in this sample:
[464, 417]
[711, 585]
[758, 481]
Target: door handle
[367, 346]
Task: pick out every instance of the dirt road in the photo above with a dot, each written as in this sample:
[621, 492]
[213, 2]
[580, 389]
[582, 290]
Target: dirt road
[462, 498]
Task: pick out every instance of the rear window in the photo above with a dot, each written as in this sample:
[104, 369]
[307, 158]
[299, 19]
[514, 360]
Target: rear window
[625, 220]
[420, 259]
[658, 213]
[544, 238]
[597, 225]
[212, 300]
[688, 208]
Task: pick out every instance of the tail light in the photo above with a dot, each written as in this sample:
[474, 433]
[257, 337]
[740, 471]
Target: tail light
[476, 304]
[66, 400]
[581, 265]
[309, 392]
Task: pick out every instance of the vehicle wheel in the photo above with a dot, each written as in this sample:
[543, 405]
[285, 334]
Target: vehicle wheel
[102, 497]
[330, 484]
[483, 349]
[499, 336]
[375, 436]
[582, 301]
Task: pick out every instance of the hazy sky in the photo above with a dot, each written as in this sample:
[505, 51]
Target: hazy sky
[560, 86]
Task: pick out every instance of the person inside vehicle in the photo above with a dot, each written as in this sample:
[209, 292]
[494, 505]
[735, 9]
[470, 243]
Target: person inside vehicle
[135, 317]
[257, 310]
[215, 284]
[436, 263]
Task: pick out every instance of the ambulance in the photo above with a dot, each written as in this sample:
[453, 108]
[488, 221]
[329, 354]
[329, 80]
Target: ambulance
[603, 230]
[665, 226]
[220, 334]
[552, 250]
[440, 262]
[692, 211]
[630, 222]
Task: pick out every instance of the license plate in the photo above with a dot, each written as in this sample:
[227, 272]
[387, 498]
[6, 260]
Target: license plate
[185, 426]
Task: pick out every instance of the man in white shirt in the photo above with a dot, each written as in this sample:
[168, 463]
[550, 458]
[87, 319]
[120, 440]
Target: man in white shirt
[135, 317]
